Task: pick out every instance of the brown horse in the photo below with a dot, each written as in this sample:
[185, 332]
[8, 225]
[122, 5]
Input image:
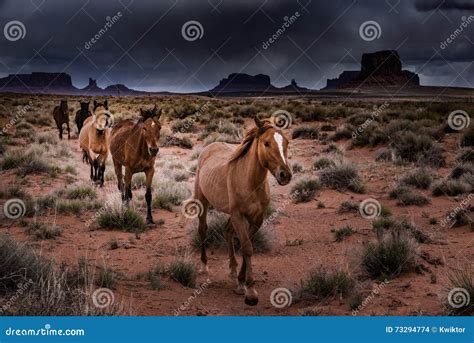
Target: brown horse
[234, 181]
[61, 116]
[94, 141]
[134, 145]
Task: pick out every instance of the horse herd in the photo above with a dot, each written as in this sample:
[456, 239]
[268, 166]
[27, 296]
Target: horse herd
[231, 179]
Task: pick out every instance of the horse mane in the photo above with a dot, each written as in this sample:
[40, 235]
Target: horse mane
[250, 135]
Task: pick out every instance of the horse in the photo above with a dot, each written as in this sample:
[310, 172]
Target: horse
[94, 141]
[134, 145]
[82, 115]
[61, 116]
[234, 181]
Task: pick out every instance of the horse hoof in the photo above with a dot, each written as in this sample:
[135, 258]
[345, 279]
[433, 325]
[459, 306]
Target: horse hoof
[204, 269]
[251, 301]
[240, 290]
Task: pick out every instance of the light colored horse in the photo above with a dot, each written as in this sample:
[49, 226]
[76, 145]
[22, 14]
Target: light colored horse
[134, 145]
[234, 181]
[94, 141]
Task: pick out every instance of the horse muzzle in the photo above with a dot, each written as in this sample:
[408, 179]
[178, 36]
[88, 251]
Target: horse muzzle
[153, 151]
[283, 177]
[100, 131]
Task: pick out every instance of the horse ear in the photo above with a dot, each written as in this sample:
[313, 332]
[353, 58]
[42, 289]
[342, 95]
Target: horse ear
[106, 104]
[95, 104]
[258, 121]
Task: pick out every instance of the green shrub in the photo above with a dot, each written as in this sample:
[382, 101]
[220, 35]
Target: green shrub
[322, 284]
[183, 272]
[126, 219]
[450, 188]
[343, 232]
[342, 177]
[305, 132]
[420, 178]
[304, 190]
[389, 258]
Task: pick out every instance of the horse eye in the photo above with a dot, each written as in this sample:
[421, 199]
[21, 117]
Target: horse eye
[266, 144]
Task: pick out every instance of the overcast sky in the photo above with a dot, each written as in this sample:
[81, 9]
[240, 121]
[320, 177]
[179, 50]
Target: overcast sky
[145, 49]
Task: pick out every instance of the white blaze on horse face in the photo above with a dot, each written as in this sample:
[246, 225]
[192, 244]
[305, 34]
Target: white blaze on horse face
[279, 140]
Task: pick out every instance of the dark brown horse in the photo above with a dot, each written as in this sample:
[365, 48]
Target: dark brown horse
[61, 116]
[82, 115]
[234, 181]
[134, 145]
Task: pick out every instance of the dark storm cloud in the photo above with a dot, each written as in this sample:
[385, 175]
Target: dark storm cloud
[144, 48]
[429, 5]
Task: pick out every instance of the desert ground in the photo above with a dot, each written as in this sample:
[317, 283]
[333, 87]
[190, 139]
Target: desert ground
[402, 256]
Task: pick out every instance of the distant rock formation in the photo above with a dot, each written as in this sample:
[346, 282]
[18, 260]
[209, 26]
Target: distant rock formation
[59, 83]
[377, 69]
[37, 82]
[244, 83]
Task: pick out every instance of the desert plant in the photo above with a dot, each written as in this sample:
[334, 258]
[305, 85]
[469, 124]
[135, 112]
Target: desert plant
[342, 176]
[126, 219]
[169, 194]
[322, 283]
[183, 271]
[305, 132]
[461, 298]
[343, 232]
[304, 190]
[419, 178]
[450, 188]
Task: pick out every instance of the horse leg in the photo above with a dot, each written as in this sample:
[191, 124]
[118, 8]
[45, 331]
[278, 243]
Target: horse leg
[229, 237]
[118, 173]
[128, 186]
[202, 227]
[68, 131]
[102, 173]
[149, 178]
[60, 127]
[242, 228]
[92, 169]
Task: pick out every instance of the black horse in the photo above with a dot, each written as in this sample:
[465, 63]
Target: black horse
[82, 115]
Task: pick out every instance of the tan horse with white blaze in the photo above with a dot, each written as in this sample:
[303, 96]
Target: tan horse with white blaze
[234, 181]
